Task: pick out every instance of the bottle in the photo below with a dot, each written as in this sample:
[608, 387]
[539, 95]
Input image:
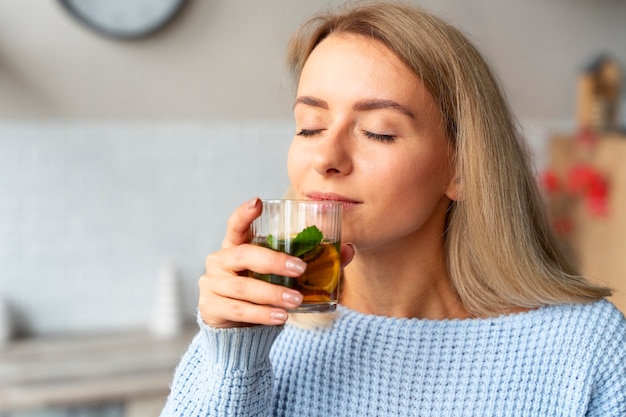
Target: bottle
[166, 320]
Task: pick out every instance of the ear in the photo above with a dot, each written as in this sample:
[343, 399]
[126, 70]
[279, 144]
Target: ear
[454, 190]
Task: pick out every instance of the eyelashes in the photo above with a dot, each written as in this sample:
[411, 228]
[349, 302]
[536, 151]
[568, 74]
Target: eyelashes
[308, 133]
[379, 137]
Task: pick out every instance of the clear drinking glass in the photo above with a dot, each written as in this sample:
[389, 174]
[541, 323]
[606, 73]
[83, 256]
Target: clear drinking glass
[310, 230]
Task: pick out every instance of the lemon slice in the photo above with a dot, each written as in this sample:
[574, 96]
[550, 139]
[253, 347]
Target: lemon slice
[318, 272]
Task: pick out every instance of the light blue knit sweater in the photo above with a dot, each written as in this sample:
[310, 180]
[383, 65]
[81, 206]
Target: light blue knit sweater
[567, 360]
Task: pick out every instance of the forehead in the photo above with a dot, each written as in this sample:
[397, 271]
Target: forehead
[356, 52]
[355, 66]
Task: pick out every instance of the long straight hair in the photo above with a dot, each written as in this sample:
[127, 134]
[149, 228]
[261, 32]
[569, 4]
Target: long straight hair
[501, 252]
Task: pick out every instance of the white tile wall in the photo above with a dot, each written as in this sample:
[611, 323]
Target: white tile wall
[89, 212]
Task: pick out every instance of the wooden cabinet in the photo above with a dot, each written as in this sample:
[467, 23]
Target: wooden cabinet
[597, 239]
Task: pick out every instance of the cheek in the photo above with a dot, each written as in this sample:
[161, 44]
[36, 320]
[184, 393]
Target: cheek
[418, 180]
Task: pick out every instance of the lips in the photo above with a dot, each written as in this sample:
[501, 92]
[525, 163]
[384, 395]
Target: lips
[329, 196]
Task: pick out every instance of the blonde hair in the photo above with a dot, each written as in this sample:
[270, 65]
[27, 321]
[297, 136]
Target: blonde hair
[501, 251]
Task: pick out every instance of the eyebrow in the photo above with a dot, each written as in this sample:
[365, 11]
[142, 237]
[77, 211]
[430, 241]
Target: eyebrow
[311, 101]
[376, 104]
[364, 105]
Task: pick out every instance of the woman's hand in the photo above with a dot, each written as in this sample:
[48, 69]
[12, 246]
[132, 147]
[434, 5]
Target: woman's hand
[228, 298]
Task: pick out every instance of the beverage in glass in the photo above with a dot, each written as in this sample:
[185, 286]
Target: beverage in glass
[310, 230]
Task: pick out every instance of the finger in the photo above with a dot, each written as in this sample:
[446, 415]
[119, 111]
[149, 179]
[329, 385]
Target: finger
[238, 313]
[348, 251]
[254, 291]
[237, 231]
[230, 301]
[254, 258]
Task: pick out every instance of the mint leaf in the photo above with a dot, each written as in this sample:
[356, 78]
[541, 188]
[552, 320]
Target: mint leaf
[270, 242]
[306, 241]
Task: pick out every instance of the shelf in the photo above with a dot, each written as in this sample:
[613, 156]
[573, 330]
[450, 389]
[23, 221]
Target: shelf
[87, 369]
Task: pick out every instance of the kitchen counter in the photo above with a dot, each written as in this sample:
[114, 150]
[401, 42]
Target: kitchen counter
[87, 369]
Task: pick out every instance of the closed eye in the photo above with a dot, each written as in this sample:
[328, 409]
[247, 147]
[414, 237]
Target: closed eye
[309, 132]
[379, 136]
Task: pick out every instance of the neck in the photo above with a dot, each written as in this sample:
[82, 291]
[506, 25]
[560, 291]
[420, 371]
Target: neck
[409, 286]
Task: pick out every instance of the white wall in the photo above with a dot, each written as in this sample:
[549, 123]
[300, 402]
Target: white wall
[116, 156]
[223, 59]
[89, 213]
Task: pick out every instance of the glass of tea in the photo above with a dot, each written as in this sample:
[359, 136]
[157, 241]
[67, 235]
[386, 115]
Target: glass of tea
[310, 230]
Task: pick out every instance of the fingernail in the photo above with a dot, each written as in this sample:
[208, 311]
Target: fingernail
[279, 316]
[292, 298]
[295, 265]
[252, 203]
[353, 246]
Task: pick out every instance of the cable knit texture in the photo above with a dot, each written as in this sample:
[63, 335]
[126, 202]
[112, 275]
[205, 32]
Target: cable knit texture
[567, 360]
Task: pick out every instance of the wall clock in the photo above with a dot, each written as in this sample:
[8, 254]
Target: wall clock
[123, 19]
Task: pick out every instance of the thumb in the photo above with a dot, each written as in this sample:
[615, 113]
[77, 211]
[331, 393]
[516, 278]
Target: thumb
[348, 251]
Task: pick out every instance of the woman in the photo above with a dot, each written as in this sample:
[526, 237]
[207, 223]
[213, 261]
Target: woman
[456, 297]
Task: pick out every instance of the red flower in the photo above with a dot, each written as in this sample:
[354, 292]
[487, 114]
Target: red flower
[579, 178]
[597, 196]
[549, 181]
[597, 206]
[597, 187]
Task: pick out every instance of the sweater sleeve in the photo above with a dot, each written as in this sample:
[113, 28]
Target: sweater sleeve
[225, 372]
[608, 397]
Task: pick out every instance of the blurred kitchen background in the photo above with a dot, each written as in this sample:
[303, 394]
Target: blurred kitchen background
[120, 161]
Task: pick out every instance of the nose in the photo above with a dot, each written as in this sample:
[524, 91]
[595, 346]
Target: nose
[333, 154]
